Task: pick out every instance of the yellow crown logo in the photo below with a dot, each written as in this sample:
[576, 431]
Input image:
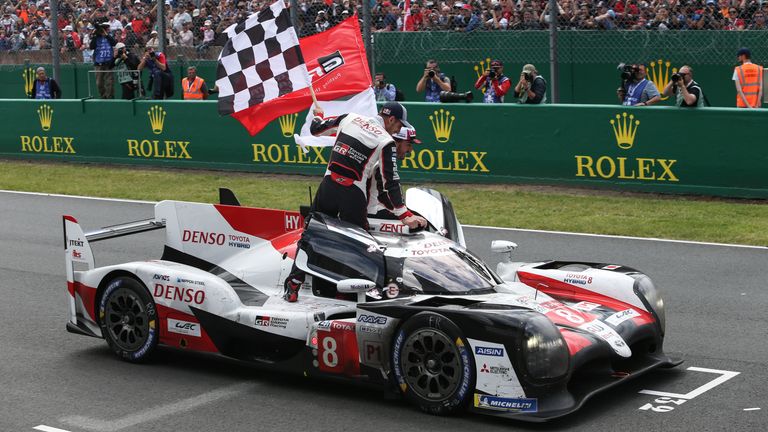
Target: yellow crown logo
[659, 72]
[45, 113]
[625, 130]
[442, 123]
[156, 119]
[481, 67]
[29, 80]
[288, 124]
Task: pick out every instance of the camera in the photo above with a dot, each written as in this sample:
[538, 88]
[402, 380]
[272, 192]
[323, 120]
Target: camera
[676, 77]
[627, 71]
[431, 73]
[528, 77]
[446, 96]
[494, 72]
[120, 52]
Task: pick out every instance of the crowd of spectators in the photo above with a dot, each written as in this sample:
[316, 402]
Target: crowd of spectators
[199, 24]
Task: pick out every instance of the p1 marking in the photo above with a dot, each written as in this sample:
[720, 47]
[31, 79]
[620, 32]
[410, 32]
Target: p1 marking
[666, 400]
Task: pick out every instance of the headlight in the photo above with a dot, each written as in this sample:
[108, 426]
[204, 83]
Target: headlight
[644, 286]
[545, 352]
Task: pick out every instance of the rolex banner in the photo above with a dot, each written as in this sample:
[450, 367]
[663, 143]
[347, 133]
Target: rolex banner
[600, 146]
[337, 65]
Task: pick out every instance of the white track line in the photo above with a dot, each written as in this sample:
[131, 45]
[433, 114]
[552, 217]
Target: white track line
[45, 428]
[99, 425]
[468, 226]
[751, 409]
[618, 237]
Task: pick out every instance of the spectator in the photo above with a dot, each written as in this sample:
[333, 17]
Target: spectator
[687, 92]
[748, 78]
[493, 83]
[115, 26]
[153, 42]
[638, 91]
[186, 38]
[5, 41]
[433, 82]
[193, 86]
[383, 90]
[321, 22]
[72, 41]
[126, 61]
[44, 87]
[532, 88]
[160, 78]
[467, 21]
[104, 60]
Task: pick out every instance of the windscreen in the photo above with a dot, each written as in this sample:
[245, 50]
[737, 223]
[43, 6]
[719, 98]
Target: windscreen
[452, 272]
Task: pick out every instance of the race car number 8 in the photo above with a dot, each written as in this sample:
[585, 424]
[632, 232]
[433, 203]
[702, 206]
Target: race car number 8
[330, 358]
[570, 316]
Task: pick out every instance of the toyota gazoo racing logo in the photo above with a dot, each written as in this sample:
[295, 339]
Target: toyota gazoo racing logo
[326, 64]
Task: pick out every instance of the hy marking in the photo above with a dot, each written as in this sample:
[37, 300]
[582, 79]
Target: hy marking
[45, 428]
[155, 413]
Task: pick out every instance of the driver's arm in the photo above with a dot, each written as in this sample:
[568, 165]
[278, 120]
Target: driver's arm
[325, 126]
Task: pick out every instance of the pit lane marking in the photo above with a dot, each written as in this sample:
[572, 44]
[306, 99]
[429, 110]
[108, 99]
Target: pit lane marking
[666, 398]
[44, 428]
[188, 404]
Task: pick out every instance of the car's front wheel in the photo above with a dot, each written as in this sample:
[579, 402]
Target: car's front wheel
[128, 319]
[432, 364]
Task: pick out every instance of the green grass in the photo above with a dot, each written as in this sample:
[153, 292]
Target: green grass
[576, 210]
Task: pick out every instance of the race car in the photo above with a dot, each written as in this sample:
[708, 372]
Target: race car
[410, 312]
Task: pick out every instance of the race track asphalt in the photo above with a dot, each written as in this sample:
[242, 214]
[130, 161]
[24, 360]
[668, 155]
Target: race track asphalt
[716, 299]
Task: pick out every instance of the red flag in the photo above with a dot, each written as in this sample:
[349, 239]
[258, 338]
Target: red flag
[337, 64]
[407, 21]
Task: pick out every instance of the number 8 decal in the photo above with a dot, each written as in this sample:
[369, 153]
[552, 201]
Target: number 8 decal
[330, 358]
[570, 316]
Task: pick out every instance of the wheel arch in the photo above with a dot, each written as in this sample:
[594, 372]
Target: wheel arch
[109, 277]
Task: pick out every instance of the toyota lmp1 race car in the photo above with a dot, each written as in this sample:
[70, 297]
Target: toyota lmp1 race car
[409, 312]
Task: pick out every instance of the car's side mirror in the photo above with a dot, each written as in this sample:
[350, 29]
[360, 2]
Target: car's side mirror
[355, 286]
[503, 246]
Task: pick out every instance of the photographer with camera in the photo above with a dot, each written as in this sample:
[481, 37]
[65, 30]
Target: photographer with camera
[433, 82]
[103, 60]
[687, 92]
[493, 83]
[635, 89]
[160, 78]
[531, 89]
[383, 90]
[126, 61]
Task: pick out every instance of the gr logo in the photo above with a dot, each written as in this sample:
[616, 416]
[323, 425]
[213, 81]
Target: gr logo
[327, 64]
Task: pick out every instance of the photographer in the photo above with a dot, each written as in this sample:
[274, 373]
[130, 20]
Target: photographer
[160, 78]
[126, 61]
[103, 60]
[635, 89]
[493, 83]
[384, 91]
[44, 87]
[686, 90]
[531, 89]
[433, 82]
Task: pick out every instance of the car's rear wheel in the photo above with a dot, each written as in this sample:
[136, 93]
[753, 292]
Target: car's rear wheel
[432, 365]
[128, 319]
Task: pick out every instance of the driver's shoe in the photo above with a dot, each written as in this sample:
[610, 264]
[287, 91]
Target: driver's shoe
[292, 287]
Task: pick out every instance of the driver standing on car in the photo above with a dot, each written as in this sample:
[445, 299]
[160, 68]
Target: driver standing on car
[379, 203]
[361, 143]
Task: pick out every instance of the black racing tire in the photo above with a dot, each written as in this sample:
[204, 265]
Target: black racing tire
[128, 319]
[432, 364]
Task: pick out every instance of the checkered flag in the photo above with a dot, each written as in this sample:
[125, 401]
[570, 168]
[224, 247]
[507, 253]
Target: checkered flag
[261, 61]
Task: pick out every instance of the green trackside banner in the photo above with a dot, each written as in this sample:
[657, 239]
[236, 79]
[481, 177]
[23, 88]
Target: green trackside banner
[661, 149]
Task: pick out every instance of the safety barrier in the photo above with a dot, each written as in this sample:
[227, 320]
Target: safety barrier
[658, 149]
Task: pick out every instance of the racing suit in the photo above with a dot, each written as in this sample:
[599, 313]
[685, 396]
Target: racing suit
[362, 145]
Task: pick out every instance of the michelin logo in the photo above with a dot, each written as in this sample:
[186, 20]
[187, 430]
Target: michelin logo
[506, 404]
[487, 351]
